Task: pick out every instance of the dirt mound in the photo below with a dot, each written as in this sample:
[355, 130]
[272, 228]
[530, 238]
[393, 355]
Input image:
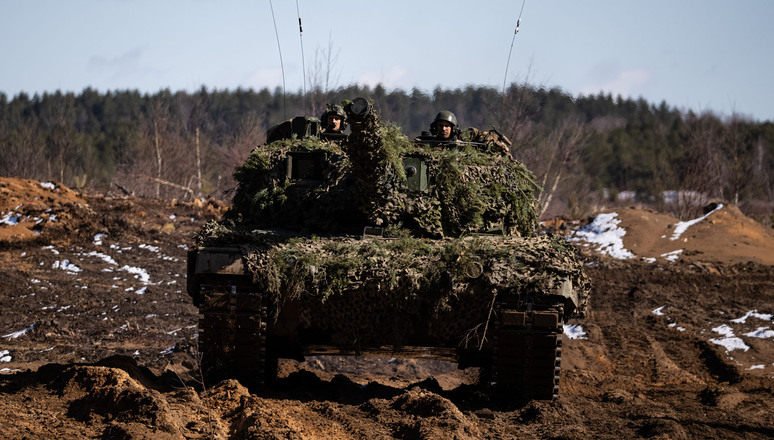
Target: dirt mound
[98, 339]
[724, 235]
[27, 207]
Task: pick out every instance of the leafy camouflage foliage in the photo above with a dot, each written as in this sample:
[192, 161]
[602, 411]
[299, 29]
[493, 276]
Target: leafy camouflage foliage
[265, 197]
[362, 182]
[376, 291]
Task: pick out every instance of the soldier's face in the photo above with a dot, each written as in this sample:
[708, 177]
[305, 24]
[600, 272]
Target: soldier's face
[334, 122]
[444, 129]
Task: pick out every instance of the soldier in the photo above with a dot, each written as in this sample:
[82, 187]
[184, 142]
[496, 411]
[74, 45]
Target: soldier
[445, 127]
[334, 119]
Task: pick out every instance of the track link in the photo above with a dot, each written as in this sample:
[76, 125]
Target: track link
[232, 337]
[527, 353]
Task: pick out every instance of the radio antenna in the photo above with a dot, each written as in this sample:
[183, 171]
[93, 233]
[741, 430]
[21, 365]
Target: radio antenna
[282, 65]
[505, 78]
[303, 64]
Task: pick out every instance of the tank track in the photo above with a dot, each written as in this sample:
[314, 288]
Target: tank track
[527, 354]
[232, 337]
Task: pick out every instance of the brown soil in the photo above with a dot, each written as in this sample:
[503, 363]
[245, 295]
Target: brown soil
[98, 340]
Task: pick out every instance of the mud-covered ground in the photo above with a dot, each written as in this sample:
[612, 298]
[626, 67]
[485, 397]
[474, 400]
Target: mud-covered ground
[98, 340]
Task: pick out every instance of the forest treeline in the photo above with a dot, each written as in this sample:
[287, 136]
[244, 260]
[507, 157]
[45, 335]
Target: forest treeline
[587, 152]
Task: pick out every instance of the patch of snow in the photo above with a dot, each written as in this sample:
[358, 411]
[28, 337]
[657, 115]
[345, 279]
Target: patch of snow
[106, 258]
[672, 256]
[575, 331]
[757, 367]
[15, 335]
[10, 219]
[675, 326]
[66, 266]
[51, 248]
[5, 356]
[149, 247]
[729, 341]
[139, 273]
[659, 311]
[683, 226]
[141, 291]
[605, 233]
[752, 314]
[49, 185]
[761, 332]
[172, 217]
[98, 238]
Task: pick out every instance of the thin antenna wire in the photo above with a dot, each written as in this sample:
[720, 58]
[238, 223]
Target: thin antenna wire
[505, 78]
[303, 66]
[282, 65]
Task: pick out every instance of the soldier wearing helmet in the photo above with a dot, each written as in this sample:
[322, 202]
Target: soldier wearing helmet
[334, 119]
[444, 127]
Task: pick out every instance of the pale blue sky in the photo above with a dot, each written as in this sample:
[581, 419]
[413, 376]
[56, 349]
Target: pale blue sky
[701, 55]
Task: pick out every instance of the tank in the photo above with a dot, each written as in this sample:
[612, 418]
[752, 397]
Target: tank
[372, 243]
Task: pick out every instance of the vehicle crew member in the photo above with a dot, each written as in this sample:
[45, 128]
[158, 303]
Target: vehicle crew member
[445, 127]
[334, 119]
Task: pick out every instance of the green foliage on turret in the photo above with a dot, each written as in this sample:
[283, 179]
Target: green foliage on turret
[323, 187]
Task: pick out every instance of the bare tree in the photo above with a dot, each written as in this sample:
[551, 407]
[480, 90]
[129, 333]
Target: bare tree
[159, 121]
[23, 149]
[323, 76]
[251, 134]
[195, 122]
[162, 166]
[704, 169]
[63, 145]
[742, 166]
[563, 145]
[517, 112]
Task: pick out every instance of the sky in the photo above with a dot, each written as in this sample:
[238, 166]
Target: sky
[699, 55]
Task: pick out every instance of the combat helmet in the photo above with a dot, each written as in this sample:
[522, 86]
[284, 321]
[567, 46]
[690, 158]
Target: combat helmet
[337, 110]
[448, 117]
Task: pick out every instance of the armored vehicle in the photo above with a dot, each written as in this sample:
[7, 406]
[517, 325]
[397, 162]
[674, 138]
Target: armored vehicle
[372, 243]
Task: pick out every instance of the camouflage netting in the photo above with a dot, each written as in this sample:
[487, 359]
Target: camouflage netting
[471, 189]
[433, 275]
[379, 291]
[266, 198]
